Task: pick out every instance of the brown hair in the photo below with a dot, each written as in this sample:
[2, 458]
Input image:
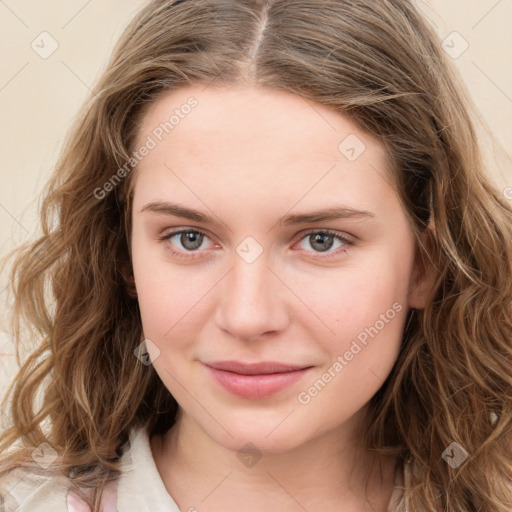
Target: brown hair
[382, 65]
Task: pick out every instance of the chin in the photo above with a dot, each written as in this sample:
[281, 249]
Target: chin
[272, 435]
[274, 444]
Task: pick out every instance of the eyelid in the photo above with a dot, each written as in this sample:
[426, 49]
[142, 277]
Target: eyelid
[183, 229]
[347, 239]
[190, 256]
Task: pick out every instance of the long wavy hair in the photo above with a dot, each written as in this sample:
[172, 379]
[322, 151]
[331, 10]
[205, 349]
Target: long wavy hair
[81, 389]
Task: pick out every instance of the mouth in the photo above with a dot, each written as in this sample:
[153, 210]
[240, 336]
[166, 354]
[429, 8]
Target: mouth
[255, 380]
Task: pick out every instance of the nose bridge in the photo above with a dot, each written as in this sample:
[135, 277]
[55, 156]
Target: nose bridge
[251, 303]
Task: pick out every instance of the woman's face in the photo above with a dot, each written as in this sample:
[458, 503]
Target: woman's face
[295, 250]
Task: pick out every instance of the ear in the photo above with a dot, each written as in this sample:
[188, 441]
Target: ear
[129, 280]
[425, 272]
[131, 289]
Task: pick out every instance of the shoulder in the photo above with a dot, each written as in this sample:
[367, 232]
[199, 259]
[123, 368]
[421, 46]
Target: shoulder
[139, 486]
[108, 500]
[398, 502]
[25, 490]
[29, 491]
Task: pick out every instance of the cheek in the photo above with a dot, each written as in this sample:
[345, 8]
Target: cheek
[368, 311]
[365, 308]
[169, 302]
[154, 289]
[171, 297]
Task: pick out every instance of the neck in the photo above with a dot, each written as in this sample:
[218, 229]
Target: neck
[330, 472]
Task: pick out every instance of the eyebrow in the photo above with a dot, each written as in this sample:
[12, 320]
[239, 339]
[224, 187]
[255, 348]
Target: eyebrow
[333, 213]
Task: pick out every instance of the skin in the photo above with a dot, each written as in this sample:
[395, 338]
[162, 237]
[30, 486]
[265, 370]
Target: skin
[249, 156]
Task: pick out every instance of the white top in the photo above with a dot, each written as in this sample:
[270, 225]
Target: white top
[139, 487]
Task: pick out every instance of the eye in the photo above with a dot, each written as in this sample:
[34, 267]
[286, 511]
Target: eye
[324, 240]
[189, 240]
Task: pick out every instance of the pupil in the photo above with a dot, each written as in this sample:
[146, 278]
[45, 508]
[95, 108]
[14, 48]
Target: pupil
[191, 238]
[320, 239]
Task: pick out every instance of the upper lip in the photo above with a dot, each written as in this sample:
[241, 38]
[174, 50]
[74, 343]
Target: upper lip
[255, 368]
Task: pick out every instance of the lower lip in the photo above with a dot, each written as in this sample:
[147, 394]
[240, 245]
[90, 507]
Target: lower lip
[256, 386]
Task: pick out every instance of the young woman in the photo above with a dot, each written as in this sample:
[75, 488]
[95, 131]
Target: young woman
[273, 275]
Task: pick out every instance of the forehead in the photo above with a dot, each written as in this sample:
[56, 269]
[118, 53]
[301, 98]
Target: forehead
[257, 144]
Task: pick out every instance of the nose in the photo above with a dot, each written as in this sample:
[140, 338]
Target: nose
[253, 301]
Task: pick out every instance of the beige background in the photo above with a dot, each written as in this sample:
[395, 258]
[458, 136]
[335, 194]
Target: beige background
[39, 96]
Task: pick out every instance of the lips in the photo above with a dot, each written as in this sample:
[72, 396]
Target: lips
[254, 368]
[255, 380]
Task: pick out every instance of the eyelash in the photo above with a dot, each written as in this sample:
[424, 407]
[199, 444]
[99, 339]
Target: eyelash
[341, 250]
